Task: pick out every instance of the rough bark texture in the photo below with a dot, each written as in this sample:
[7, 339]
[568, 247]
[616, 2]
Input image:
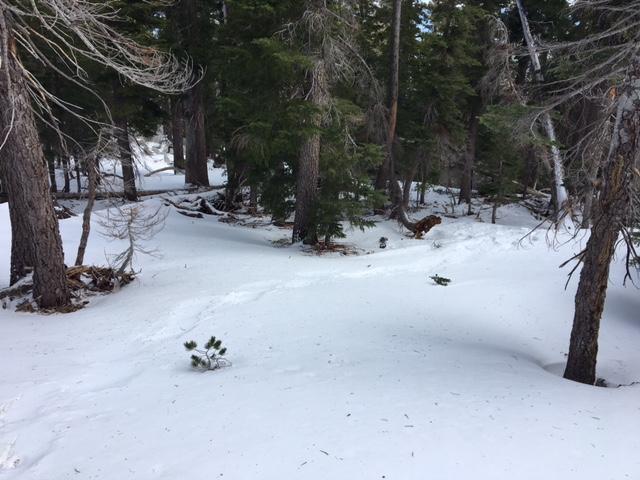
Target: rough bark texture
[387, 170]
[466, 183]
[610, 217]
[177, 128]
[23, 169]
[236, 178]
[196, 172]
[309, 161]
[126, 159]
[196, 169]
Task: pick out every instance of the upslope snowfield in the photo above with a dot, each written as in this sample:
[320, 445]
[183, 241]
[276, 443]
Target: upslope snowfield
[344, 367]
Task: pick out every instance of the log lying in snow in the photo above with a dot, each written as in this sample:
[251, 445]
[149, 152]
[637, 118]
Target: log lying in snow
[79, 278]
[165, 169]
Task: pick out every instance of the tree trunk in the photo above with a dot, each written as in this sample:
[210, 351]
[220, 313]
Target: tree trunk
[51, 164]
[76, 162]
[65, 169]
[253, 199]
[308, 173]
[407, 184]
[126, 159]
[196, 168]
[613, 207]
[92, 171]
[558, 167]
[196, 172]
[466, 184]
[177, 128]
[236, 177]
[23, 169]
[387, 170]
[530, 171]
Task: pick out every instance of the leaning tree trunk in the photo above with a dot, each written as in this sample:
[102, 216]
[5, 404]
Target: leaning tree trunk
[92, 172]
[24, 173]
[561, 195]
[308, 173]
[613, 207]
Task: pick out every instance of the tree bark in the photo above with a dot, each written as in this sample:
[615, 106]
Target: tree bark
[51, 164]
[196, 171]
[76, 162]
[387, 170]
[466, 184]
[23, 170]
[561, 195]
[126, 159]
[65, 169]
[196, 168]
[611, 217]
[308, 173]
[177, 128]
[92, 171]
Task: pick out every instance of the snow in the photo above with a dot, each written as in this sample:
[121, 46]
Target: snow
[344, 367]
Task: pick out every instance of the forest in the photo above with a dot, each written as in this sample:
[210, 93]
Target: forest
[314, 239]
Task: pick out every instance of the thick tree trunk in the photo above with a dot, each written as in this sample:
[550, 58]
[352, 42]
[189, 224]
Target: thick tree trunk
[236, 176]
[466, 184]
[177, 128]
[196, 172]
[23, 170]
[407, 184]
[613, 207]
[308, 173]
[196, 168]
[590, 194]
[126, 159]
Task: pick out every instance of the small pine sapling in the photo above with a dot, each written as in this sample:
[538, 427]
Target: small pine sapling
[209, 358]
[442, 281]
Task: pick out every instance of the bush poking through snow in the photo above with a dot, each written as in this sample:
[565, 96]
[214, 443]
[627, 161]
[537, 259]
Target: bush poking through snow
[209, 358]
[442, 281]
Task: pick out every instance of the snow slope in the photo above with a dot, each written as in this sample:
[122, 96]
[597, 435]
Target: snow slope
[344, 367]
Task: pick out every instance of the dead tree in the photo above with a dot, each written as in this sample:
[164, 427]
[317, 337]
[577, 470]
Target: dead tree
[70, 30]
[93, 173]
[607, 64]
[612, 217]
[36, 239]
[561, 196]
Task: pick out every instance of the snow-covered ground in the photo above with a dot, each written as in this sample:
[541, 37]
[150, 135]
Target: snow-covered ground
[150, 158]
[344, 367]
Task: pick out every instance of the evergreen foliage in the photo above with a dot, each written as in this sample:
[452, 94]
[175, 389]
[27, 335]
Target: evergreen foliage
[210, 357]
